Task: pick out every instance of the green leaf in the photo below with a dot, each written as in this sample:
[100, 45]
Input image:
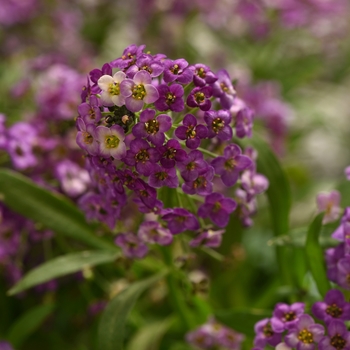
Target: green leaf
[242, 320]
[279, 196]
[149, 337]
[278, 193]
[315, 256]
[297, 238]
[61, 266]
[52, 210]
[111, 327]
[28, 324]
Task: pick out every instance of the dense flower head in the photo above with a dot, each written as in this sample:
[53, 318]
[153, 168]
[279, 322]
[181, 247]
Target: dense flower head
[149, 124]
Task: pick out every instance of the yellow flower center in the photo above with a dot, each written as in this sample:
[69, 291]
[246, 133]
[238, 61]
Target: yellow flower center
[111, 141]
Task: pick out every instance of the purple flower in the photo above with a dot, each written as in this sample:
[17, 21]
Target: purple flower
[180, 220]
[333, 307]
[213, 334]
[219, 124]
[253, 183]
[191, 132]
[208, 238]
[129, 57]
[22, 137]
[96, 74]
[74, 179]
[138, 91]
[246, 207]
[104, 208]
[4, 345]
[229, 338]
[148, 63]
[305, 334]
[111, 141]
[191, 166]
[343, 272]
[171, 153]
[338, 337]
[152, 127]
[200, 97]
[128, 178]
[244, 122]
[265, 335]
[332, 257]
[342, 233]
[86, 137]
[201, 337]
[286, 316]
[223, 89]
[203, 75]
[90, 112]
[156, 209]
[330, 204]
[111, 94]
[177, 70]
[218, 208]
[170, 97]
[229, 165]
[146, 193]
[163, 177]
[132, 246]
[153, 232]
[142, 156]
[202, 185]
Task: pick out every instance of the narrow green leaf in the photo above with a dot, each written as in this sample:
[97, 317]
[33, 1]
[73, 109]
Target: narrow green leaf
[28, 324]
[111, 327]
[149, 336]
[61, 266]
[242, 320]
[278, 193]
[279, 196]
[52, 210]
[297, 238]
[315, 256]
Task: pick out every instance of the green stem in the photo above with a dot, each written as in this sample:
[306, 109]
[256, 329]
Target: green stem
[213, 253]
[179, 199]
[176, 296]
[208, 153]
[193, 110]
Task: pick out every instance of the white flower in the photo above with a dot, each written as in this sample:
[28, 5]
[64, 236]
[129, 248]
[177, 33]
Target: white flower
[111, 141]
[110, 89]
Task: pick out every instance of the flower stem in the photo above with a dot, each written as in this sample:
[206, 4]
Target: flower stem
[208, 153]
[176, 296]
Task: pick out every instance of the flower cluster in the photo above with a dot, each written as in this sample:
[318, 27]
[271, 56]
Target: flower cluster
[149, 123]
[213, 334]
[43, 147]
[291, 327]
